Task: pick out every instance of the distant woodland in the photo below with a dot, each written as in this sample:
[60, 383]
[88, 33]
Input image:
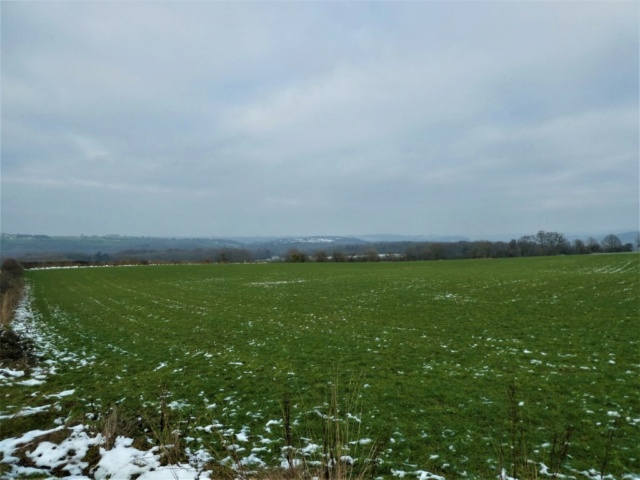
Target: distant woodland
[540, 244]
[36, 250]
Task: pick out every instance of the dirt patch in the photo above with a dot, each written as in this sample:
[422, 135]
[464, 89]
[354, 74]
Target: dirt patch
[15, 350]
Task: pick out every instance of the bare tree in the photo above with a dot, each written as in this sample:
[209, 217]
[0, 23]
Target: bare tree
[542, 238]
[611, 243]
[371, 255]
[593, 245]
[580, 247]
[527, 245]
[321, 256]
[338, 256]
[551, 243]
[295, 255]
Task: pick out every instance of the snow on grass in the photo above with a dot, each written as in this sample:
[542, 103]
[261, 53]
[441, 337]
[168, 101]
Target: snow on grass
[32, 382]
[273, 283]
[47, 345]
[8, 446]
[413, 350]
[178, 405]
[67, 455]
[125, 461]
[64, 393]
[27, 411]
[122, 462]
[7, 374]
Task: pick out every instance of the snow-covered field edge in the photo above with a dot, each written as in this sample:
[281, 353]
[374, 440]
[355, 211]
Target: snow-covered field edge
[37, 453]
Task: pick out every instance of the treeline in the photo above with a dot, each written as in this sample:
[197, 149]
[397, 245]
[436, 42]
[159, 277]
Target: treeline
[541, 244]
[142, 257]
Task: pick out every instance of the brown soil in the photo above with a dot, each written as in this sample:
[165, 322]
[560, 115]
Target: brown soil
[14, 350]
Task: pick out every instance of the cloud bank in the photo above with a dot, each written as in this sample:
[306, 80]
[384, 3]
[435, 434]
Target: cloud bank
[251, 118]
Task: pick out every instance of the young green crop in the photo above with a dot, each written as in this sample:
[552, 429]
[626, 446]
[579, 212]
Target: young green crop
[429, 349]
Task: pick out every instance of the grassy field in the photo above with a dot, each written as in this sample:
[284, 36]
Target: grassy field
[464, 365]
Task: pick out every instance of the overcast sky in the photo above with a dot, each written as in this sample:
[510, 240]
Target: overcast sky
[319, 118]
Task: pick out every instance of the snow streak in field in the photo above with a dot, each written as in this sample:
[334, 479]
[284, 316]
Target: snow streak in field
[274, 283]
[121, 462]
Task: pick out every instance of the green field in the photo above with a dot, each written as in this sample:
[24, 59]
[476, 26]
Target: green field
[425, 352]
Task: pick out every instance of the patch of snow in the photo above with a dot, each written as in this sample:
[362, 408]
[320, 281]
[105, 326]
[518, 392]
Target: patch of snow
[9, 445]
[124, 461]
[272, 422]
[274, 283]
[353, 417]
[68, 454]
[423, 475]
[32, 382]
[175, 472]
[65, 393]
[284, 463]
[28, 411]
[310, 448]
[252, 461]
[177, 405]
[8, 373]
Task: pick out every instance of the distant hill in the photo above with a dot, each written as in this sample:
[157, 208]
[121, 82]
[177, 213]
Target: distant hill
[318, 239]
[413, 238]
[280, 245]
[21, 245]
[44, 247]
[101, 248]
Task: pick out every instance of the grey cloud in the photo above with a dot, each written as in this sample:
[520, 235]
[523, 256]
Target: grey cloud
[277, 118]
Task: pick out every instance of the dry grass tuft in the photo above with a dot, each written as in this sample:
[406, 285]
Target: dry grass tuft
[11, 286]
[15, 351]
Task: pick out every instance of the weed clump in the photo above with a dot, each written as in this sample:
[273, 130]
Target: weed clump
[522, 466]
[341, 455]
